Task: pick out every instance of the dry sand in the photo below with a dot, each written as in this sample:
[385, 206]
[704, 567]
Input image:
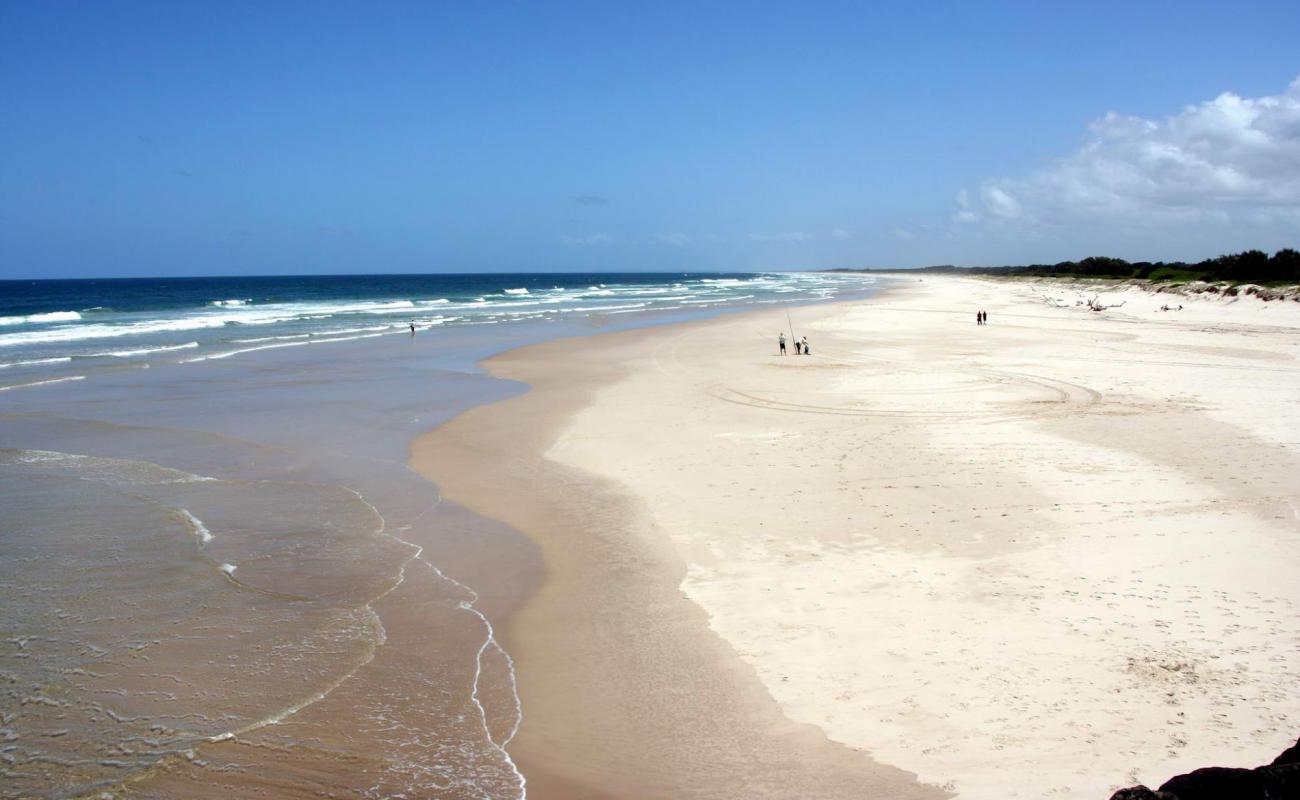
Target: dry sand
[1049, 556]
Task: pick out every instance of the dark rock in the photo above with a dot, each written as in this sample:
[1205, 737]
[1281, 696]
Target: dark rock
[1216, 783]
[1279, 780]
[1291, 755]
[1140, 793]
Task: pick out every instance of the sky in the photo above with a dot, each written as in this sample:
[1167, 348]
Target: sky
[223, 138]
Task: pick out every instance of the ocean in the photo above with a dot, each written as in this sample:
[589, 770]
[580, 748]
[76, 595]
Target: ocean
[219, 576]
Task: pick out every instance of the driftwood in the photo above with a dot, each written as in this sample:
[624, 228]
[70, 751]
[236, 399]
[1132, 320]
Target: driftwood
[1094, 304]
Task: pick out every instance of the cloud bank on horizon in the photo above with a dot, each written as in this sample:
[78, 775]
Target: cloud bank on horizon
[1226, 169]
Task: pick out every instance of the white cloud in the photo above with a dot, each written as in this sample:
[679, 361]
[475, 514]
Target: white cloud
[1224, 162]
[674, 239]
[794, 237]
[964, 212]
[590, 240]
[840, 233]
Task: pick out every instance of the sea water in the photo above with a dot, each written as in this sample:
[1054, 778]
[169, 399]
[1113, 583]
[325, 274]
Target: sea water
[219, 576]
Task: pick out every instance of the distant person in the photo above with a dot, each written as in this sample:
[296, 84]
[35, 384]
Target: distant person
[781, 339]
[986, 317]
[806, 350]
[412, 328]
[798, 348]
[979, 317]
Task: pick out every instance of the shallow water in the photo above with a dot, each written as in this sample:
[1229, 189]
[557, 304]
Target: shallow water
[153, 611]
[220, 577]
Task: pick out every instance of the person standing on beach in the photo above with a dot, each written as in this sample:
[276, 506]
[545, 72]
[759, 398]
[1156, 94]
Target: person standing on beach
[797, 347]
[986, 317]
[781, 339]
[979, 317]
[412, 328]
[806, 351]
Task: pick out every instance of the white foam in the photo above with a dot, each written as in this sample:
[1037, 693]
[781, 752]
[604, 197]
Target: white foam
[355, 330]
[42, 383]
[719, 299]
[145, 350]
[229, 353]
[437, 302]
[228, 568]
[271, 338]
[200, 530]
[49, 316]
[230, 303]
[37, 361]
[515, 291]
[603, 308]
[260, 315]
[390, 308]
[345, 338]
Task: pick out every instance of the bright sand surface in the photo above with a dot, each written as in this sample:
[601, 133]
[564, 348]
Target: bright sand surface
[1049, 556]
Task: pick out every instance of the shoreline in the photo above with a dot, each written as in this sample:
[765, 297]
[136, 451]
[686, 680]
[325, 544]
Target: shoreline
[639, 697]
[1065, 401]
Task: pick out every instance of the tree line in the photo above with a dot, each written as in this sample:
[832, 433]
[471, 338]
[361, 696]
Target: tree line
[1251, 266]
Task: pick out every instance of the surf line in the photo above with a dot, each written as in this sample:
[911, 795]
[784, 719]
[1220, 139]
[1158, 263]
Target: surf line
[381, 636]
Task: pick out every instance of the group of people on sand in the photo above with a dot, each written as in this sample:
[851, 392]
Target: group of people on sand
[800, 345]
[981, 317]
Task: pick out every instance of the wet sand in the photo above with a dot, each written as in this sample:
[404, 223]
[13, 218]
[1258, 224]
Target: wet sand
[218, 584]
[1048, 556]
[627, 691]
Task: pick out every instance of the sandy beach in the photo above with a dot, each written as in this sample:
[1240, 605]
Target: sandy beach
[1049, 556]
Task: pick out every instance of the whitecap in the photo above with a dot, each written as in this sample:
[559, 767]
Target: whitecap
[515, 291]
[49, 316]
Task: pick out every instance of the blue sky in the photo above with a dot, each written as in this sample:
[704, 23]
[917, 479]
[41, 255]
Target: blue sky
[235, 138]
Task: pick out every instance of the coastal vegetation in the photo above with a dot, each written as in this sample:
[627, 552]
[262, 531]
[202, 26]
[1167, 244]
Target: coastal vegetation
[1250, 266]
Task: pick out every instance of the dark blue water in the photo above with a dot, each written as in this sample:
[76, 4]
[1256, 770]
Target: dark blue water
[24, 298]
[66, 330]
